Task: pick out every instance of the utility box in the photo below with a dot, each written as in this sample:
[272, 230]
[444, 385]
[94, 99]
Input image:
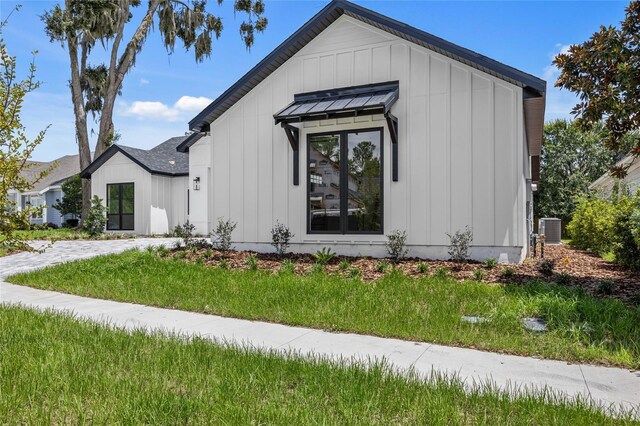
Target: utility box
[551, 228]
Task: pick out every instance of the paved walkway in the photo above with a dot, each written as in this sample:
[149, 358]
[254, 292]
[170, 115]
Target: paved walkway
[607, 387]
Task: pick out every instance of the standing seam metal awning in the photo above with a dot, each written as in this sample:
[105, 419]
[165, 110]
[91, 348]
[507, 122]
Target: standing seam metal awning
[337, 103]
[344, 102]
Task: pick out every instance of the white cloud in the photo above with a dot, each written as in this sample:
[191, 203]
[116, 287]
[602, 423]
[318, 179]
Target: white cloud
[155, 110]
[143, 81]
[190, 103]
[551, 73]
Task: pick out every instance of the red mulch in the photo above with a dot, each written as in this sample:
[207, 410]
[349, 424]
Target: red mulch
[572, 267]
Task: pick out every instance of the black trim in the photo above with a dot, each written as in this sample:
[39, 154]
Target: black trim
[344, 176]
[110, 152]
[326, 17]
[189, 141]
[392, 123]
[120, 214]
[293, 135]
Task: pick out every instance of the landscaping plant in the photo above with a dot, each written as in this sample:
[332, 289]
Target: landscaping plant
[280, 237]
[185, 232]
[324, 256]
[221, 235]
[459, 244]
[96, 219]
[397, 244]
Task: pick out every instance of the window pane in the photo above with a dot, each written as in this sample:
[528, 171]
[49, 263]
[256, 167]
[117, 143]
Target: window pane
[324, 183]
[127, 222]
[113, 205]
[113, 222]
[127, 198]
[365, 167]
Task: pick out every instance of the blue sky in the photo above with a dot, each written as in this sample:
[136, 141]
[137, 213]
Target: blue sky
[164, 91]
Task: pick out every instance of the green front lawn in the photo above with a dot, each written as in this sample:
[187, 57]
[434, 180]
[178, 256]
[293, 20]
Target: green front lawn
[56, 370]
[52, 234]
[582, 328]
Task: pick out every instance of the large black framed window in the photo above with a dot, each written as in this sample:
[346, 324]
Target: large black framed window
[120, 202]
[344, 182]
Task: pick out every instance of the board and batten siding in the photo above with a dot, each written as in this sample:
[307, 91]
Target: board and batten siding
[159, 201]
[461, 150]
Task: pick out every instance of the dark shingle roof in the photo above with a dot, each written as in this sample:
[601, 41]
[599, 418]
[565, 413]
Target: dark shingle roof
[163, 159]
[326, 17]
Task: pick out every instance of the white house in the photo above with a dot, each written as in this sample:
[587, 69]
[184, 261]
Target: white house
[48, 190]
[428, 136]
[605, 183]
[145, 191]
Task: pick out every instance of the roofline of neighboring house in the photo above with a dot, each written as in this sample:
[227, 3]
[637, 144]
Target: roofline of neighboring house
[629, 158]
[110, 152]
[532, 86]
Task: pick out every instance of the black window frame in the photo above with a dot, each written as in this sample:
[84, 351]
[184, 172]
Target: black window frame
[120, 214]
[344, 171]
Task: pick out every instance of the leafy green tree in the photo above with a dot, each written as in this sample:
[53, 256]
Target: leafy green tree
[603, 72]
[571, 159]
[15, 147]
[83, 26]
[71, 202]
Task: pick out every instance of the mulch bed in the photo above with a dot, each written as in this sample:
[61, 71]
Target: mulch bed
[571, 267]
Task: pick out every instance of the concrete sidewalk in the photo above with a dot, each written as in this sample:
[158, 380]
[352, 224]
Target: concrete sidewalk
[608, 387]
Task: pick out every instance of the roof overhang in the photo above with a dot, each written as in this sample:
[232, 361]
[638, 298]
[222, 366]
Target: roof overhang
[536, 87]
[534, 106]
[340, 103]
[189, 141]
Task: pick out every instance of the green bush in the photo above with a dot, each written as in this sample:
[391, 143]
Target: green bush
[611, 225]
[592, 225]
[96, 218]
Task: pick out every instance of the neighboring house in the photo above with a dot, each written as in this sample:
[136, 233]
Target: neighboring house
[47, 191]
[145, 191]
[430, 137]
[605, 183]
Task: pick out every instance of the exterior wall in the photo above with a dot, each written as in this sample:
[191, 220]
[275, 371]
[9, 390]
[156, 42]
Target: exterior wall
[51, 215]
[201, 201]
[169, 203]
[119, 169]
[461, 150]
[605, 184]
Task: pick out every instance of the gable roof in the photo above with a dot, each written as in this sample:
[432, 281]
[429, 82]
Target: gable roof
[60, 170]
[534, 86]
[163, 159]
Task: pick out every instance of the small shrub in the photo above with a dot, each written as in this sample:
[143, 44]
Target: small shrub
[221, 235]
[422, 268]
[508, 272]
[344, 265]
[287, 266]
[185, 233]
[478, 274]
[459, 244]
[354, 272]
[162, 251]
[490, 262]
[208, 253]
[223, 264]
[180, 255]
[396, 244]
[591, 227]
[280, 237]
[96, 219]
[150, 249]
[324, 256]
[252, 262]
[316, 268]
[563, 279]
[605, 287]
[382, 267]
[546, 267]
[441, 273]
